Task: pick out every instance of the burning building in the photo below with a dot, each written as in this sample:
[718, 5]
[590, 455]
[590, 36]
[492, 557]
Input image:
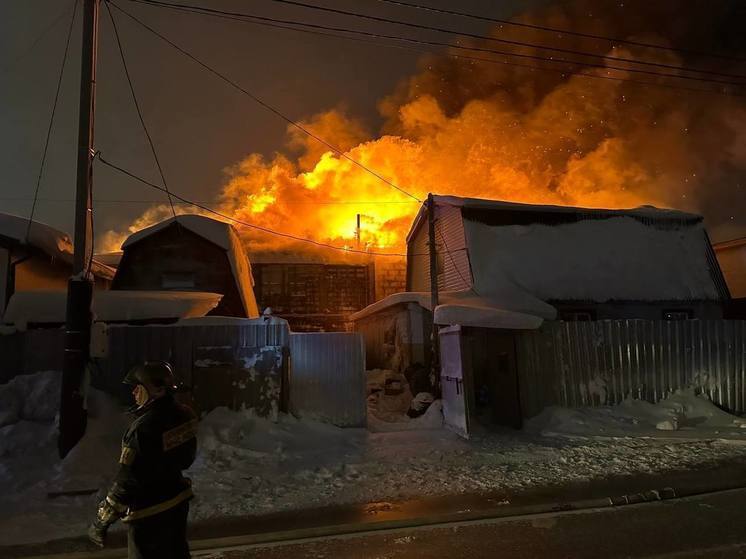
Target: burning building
[560, 134]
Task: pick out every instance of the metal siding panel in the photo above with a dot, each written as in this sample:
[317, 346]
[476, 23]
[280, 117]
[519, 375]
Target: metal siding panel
[707, 354]
[327, 377]
[451, 241]
[418, 262]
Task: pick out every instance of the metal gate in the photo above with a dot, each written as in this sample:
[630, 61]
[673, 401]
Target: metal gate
[453, 382]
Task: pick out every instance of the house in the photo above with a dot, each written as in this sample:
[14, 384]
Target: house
[509, 273]
[38, 257]
[190, 253]
[570, 263]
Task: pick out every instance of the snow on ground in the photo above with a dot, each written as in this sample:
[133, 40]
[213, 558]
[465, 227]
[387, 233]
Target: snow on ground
[684, 414]
[250, 465]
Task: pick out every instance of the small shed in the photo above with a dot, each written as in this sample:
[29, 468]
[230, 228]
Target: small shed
[35, 257]
[190, 253]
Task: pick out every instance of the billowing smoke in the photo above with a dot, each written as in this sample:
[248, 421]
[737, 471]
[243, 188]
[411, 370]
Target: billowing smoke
[516, 133]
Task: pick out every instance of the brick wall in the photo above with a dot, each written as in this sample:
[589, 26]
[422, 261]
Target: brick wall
[391, 276]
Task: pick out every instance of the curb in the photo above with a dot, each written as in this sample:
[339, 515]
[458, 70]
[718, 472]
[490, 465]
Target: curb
[204, 545]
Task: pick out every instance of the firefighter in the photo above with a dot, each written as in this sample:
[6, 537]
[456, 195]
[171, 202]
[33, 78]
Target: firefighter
[149, 492]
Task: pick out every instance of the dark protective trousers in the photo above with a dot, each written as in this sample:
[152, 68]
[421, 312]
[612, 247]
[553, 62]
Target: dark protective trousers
[161, 536]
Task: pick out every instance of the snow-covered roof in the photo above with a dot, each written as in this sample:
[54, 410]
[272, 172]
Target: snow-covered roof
[484, 316]
[48, 306]
[641, 211]
[462, 307]
[644, 213]
[221, 234]
[51, 241]
[523, 266]
[217, 232]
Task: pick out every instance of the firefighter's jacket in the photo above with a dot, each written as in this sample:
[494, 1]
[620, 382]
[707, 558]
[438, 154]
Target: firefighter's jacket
[160, 443]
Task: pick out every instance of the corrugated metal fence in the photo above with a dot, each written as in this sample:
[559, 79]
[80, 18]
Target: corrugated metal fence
[29, 352]
[126, 346]
[327, 377]
[236, 365]
[602, 362]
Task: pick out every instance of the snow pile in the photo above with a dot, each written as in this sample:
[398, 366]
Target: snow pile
[30, 398]
[30, 467]
[389, 399]
[685, 413]
[250, 465]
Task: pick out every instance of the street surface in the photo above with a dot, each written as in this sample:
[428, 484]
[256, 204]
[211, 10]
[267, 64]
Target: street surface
[707, 526]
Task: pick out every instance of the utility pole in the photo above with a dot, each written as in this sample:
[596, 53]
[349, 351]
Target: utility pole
[73, 414]
[434, 341]
[357, 232]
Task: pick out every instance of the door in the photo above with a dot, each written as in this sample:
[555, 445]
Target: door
[507, 402]
[455, 402]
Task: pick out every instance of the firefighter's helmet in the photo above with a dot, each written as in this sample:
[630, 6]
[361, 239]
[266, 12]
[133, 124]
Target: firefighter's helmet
[156, 373]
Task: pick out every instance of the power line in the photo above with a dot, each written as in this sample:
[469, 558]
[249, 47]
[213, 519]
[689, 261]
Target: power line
[524, 44]
[562, 31]
[287, 202]
[340, 32]
[239, 221]
[137, 107]
[51, 119]
[7, 67]
[267, 106]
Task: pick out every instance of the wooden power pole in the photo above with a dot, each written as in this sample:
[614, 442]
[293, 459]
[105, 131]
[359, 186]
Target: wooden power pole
[433, 252]
[73, 415]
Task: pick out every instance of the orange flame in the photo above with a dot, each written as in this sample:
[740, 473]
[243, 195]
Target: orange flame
[489, 131]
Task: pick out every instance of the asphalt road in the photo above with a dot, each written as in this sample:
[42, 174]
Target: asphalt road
[708, 526]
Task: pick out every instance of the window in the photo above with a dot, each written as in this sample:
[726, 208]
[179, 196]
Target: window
[177, 280]
[678, 314]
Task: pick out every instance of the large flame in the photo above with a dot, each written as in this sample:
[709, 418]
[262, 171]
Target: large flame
[493, 131]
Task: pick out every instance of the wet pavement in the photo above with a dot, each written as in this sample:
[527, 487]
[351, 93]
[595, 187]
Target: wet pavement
[704, 526]
[422, 512]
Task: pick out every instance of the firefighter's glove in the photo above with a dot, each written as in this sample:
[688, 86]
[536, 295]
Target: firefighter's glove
[109, 511]
[97, 533]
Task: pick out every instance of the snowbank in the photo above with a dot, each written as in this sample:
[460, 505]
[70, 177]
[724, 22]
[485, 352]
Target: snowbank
[683, 414]
[250, 465]
[30, 467]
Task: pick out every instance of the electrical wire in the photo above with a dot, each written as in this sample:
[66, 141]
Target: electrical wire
[562, 31]
[9, 66]
[523, 44]
[51, 119]
[290, 202]
[206, 208]
[137, 107]
[339, 32]
[266, 105]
